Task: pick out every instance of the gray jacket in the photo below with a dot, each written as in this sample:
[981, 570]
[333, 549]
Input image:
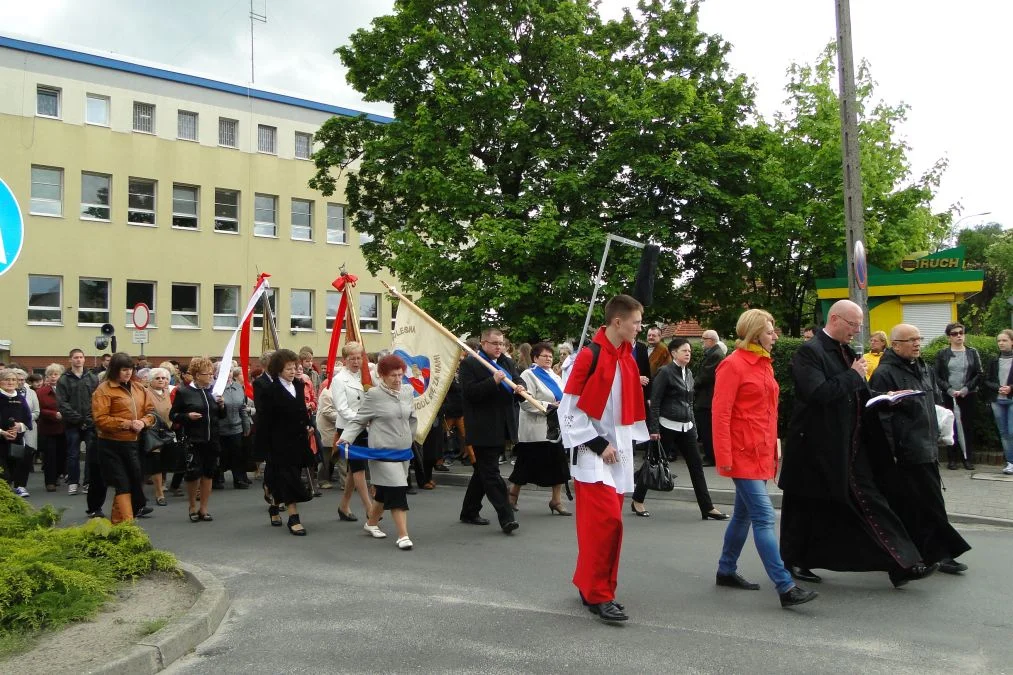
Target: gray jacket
[392, 424]
[237, 414]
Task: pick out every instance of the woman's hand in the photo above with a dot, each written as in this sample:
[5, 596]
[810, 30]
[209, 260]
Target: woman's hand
[59, 415]
[194, 416]
[9, 435]
[644, 380]
[136, 425]
[1005, 389]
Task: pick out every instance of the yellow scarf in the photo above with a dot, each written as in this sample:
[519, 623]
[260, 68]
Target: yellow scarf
[757, 349]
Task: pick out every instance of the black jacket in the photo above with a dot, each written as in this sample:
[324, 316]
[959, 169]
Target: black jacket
[73, 394]
[644, 366]
[704, 392]
[453, 404]
[671, 396]
[260, 440]
[829, 397]
[283, 421]
[972, 378]
[187, 399]
[990, 383]
[11, 409]
[490, 411]
[908, 429]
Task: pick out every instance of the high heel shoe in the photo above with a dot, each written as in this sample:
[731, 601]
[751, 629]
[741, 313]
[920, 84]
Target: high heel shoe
[557, 508]
[272, 511]
[293, 522]
[714, 516]
[350, 517]
[643, 514]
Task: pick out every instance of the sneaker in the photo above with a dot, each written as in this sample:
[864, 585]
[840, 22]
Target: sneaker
[84, 488]
[374, 531]
[97, 513]
[21, 492]
[404, 543]
[502, 459]
[72, 489]
[1009, 469]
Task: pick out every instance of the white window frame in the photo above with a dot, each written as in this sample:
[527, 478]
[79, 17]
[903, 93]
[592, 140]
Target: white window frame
[152, 321]
[82, 308]
[299, 135]
[293, 317]
[363, 237]
[109, 198]
[183, 120]
[259, 223]
[140, 112]
[364, 319]
[258, 317]
[36, 201]
[154, 202]
[175, 314]
[229, 320]
[227, 219]
[58, 308]
[309, 214]
[88, 98]
[267, 139]
[180, 214]
[57, 93]
[333, 219]
[228, 127]
[330, 315]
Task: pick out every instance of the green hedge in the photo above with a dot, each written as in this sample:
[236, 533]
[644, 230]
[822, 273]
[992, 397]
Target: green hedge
[50, 576]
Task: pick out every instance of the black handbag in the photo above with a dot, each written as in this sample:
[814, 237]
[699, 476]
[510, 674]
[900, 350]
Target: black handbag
[17, 451]
[654, 472]
[156, 437]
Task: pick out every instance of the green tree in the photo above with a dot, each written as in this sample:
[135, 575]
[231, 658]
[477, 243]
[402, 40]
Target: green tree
[986, 248]
[527, 130]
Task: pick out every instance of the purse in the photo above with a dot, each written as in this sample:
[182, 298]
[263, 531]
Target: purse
[156, 437]
[654, 472]
[17, 451]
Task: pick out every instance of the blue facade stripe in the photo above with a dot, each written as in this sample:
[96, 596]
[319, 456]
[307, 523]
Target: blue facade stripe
[162, 74]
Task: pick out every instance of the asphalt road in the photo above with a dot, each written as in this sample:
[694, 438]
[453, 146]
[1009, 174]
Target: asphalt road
[470, 599]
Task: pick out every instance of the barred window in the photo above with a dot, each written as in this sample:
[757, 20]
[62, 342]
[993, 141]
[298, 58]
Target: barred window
[186, 125]
[144, 117]
[47, 102]
[228, 132]
[266, 139]
[303, 145]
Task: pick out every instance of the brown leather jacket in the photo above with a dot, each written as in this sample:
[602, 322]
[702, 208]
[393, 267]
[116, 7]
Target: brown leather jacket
[114, 406]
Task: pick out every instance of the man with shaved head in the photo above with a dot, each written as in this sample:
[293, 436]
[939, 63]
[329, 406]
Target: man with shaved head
[833, 515]
[907, 433]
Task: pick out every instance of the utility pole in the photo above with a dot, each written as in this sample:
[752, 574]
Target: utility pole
[854, 208]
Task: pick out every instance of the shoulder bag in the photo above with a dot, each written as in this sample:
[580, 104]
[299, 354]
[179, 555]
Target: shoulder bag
[156, 437]
[654, 472]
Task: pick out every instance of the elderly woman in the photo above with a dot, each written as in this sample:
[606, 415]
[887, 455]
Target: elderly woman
[160, 459]
[32, 435]
[390, 414]
[346, 393]
[565, 352]
[121, 410]
[997, 389]
[540, 460]
[52, 440]
[15, 423]
[744, 416]
[673, 422]
[282, 416]
[959, 372]
[326, 417]
[234, 428]
[877, 345]
[199, 413]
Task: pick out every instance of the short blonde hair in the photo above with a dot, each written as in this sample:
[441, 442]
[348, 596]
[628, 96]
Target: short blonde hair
[751, 324]
[350, 348]
[199, 363]
[882, 336]
[55, 368]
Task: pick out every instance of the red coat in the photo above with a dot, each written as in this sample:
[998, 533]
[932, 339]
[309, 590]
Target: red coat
[744, 416]
[49, 408]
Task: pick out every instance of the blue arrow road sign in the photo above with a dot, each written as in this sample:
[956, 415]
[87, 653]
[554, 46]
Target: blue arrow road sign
[12, 229]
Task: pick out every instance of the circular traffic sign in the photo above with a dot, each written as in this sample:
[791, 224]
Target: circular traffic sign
[861, 267]
[141, 316]
[12, 228]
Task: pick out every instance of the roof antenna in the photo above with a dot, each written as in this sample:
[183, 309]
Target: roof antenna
[254, 16]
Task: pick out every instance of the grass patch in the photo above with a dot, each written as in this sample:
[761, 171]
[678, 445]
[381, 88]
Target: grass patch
[50, 576]
[153, 626]
[16, 642]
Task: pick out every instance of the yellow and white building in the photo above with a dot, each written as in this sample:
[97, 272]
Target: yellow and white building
[144, 184]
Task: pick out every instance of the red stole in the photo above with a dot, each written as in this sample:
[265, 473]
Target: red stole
[594, 391]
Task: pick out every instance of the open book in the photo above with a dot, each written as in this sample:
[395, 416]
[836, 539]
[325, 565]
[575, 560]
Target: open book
[893, 397]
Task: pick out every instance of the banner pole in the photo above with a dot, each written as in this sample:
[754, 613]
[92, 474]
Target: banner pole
[460, 343]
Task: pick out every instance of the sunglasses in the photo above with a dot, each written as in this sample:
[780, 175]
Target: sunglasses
[956, 332]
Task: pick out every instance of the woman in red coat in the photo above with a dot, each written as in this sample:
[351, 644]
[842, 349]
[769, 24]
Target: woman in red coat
[744, 419]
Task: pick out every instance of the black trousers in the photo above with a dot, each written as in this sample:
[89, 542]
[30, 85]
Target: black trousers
[486, 481]
[97, 486]
[233, 456]
[703, 430]
[121, 470]
[54, 457]
[16, 470]
[966, 404]
[685, 443]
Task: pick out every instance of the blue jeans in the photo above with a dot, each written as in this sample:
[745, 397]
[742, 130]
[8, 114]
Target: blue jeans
[752, 506]
[1003, 413]
[74, 438]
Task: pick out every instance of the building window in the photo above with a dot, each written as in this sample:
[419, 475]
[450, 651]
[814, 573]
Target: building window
[226, 309]
[226, 210]
[95, 196]
[186, 125]
[266, 137]
[333, 300]
[336, 232]
[96, 110]
[302, 219]
[365, 238]
[265, 216]
[144, 117]
[228, 132]
[47, 102]
[258, 316]
[141, 201]
[303, 145]
[184, 206]
[141, 291]
[93, 302]
[301, 309]
[369, 312]
[185, 306]
[45, 299]
[47, 191]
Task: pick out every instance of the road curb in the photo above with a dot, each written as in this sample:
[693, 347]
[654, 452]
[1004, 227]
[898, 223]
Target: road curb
[156, 651]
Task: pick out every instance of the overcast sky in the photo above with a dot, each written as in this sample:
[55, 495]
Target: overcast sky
[949, 60]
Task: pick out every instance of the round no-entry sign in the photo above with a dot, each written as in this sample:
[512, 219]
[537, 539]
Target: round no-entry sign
[142, 314]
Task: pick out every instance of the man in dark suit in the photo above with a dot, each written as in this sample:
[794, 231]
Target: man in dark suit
[704, 392]
[833, 515]
[490, 420]
[261, 446]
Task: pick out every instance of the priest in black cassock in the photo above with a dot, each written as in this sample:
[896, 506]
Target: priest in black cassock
[833, 515]
[905, 435]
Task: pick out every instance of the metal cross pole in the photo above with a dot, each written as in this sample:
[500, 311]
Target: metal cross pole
[853, 205]
[598, 283]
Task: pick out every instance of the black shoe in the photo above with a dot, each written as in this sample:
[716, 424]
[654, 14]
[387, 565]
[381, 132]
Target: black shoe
[621, 606]
[804, 574]
[509, 527]
[951, 466]
[97, 513]
[707, 462]
[968, 465]
[643, 514]
[143, 512]
[441, 467]
[475, 520]
[715, 516]
[608, 611]
[293, 522]
[735, 581]
[350, 517]
[218, 485]
[796, 595]
[240, 486]
[951, 566]
[900, 577]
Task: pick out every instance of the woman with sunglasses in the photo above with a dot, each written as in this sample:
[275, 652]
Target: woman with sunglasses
[959, 372]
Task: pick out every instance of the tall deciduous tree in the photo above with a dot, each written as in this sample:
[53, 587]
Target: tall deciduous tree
[988, 247]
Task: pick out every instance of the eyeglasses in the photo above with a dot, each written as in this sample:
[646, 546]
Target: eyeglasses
[914, 340]
[494, 344]
[853, 324]
[205, 374]
[956, 333]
